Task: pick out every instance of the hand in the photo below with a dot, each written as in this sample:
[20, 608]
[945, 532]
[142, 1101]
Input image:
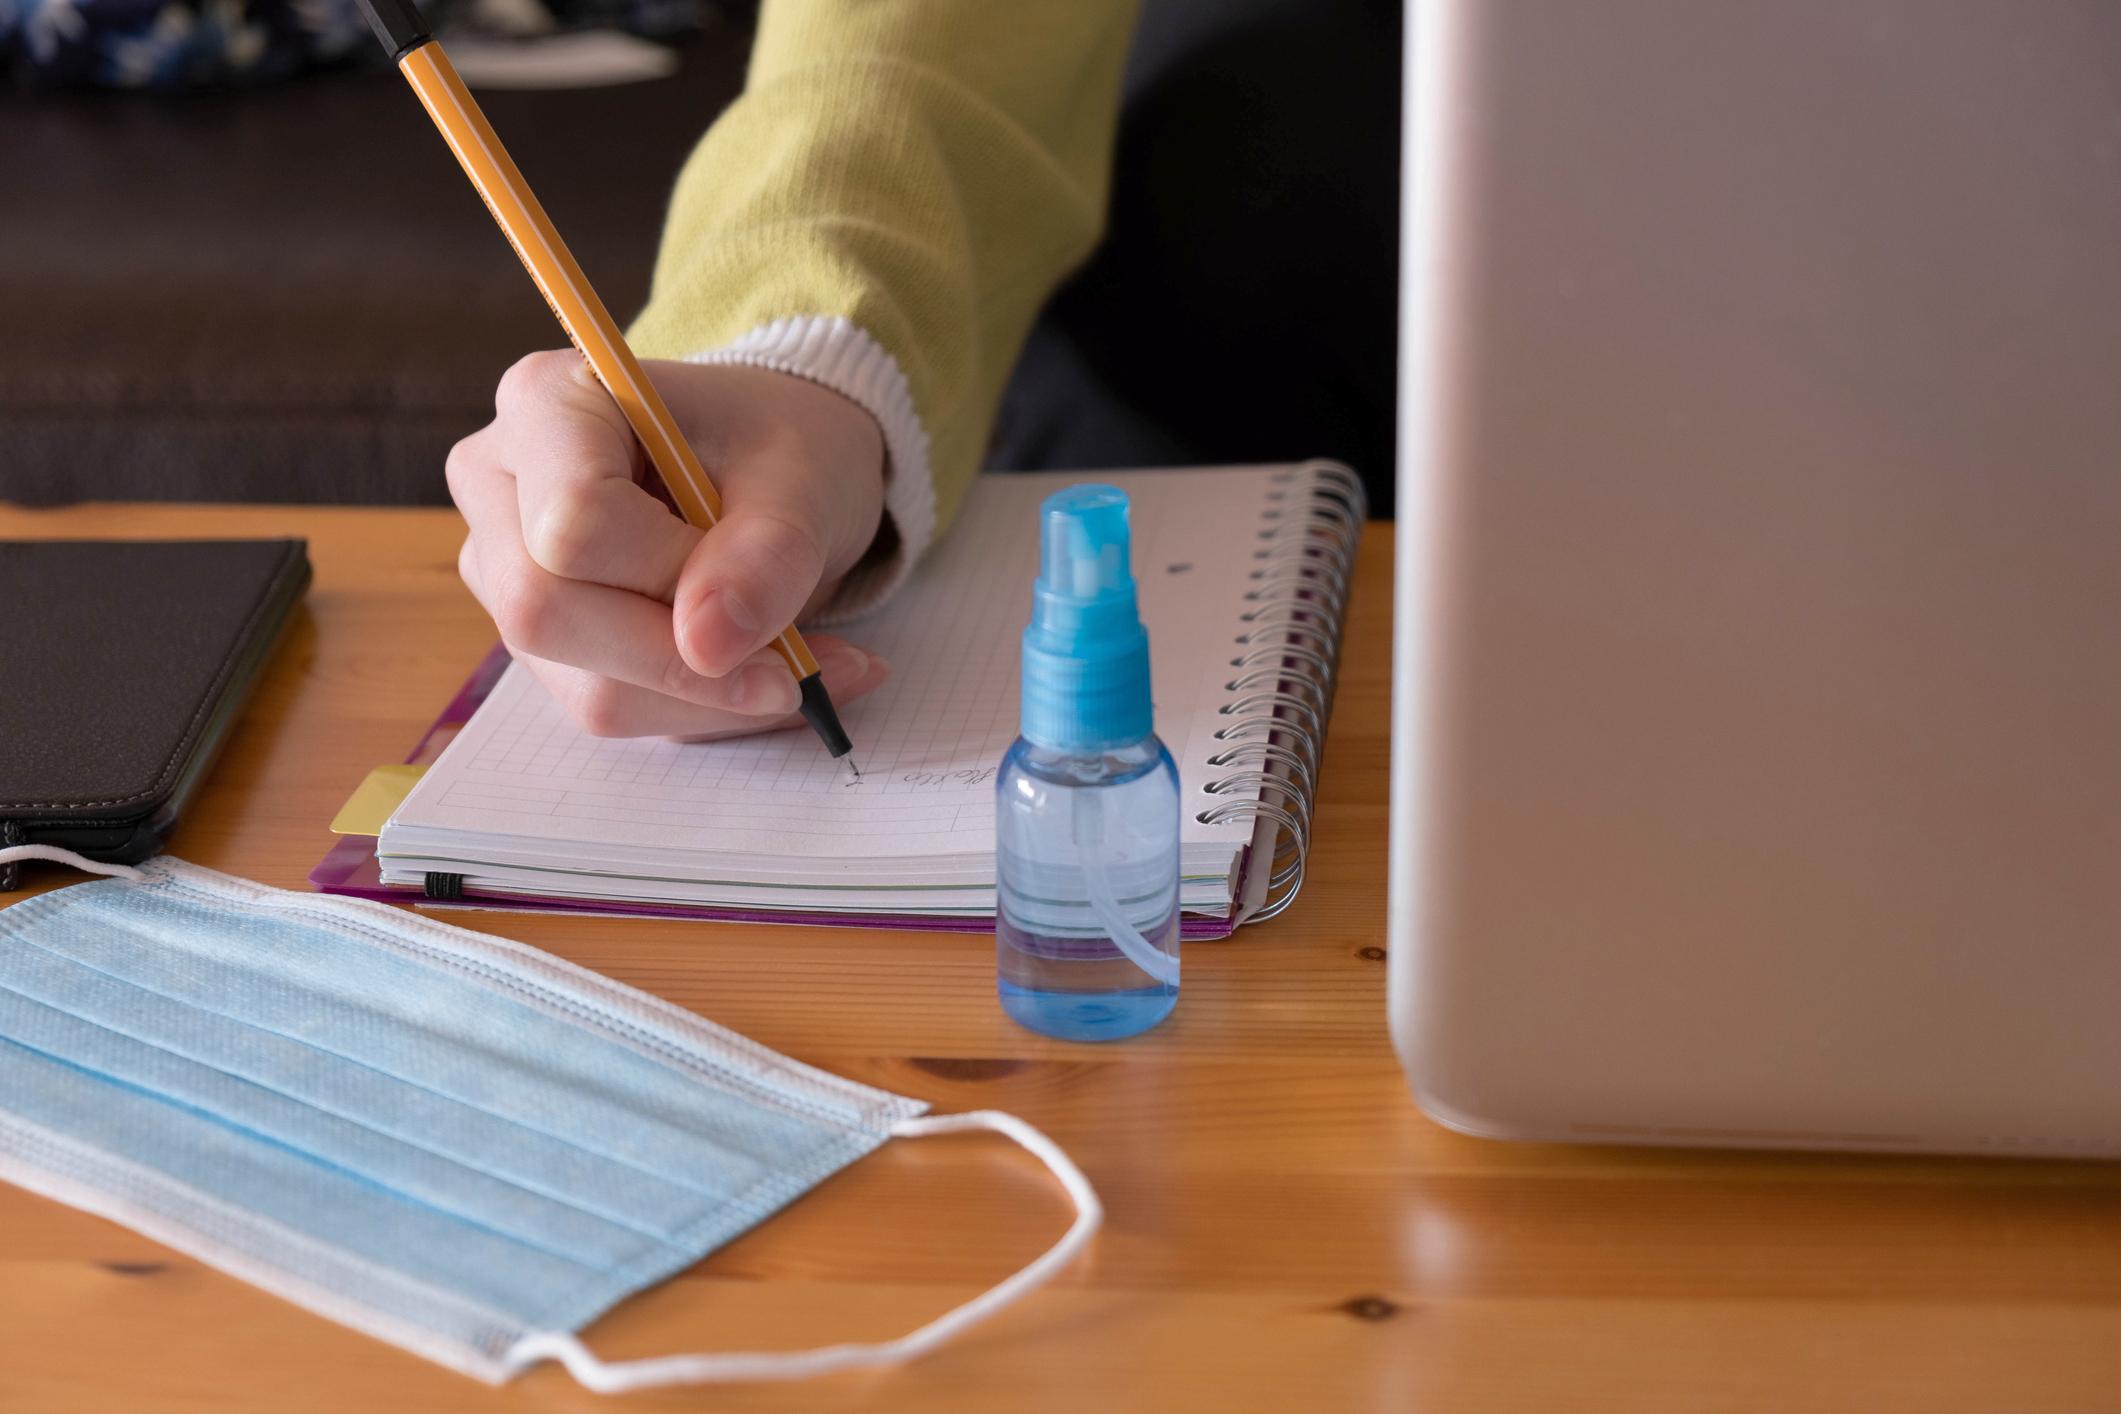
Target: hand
[639, 624]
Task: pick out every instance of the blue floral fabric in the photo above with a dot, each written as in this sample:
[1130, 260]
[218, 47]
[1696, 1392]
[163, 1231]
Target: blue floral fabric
[174, 45]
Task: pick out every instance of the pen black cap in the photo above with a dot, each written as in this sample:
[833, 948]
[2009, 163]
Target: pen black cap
[823, 717]
[397, 24]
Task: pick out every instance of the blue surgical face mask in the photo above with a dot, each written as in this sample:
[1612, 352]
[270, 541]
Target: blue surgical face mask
[461, 1145]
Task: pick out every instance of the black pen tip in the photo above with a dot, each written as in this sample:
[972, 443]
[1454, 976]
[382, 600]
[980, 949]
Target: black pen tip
[824, 719]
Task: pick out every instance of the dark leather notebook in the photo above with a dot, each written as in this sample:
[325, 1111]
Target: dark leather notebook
[123, 665]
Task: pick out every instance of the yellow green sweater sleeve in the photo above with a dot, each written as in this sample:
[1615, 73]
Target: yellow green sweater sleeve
[900, 187]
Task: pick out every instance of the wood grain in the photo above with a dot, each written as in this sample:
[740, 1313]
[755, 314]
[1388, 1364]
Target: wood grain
[1287, 1232]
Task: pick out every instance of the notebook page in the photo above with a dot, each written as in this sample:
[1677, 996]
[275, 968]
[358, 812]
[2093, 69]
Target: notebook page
[929, 740]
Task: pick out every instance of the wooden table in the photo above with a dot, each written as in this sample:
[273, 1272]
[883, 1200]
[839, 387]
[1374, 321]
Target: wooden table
[1286, 1231]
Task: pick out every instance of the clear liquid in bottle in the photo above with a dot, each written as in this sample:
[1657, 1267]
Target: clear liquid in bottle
[1086, 845]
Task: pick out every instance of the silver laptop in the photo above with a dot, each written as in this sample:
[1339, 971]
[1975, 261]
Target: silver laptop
[1757, 715]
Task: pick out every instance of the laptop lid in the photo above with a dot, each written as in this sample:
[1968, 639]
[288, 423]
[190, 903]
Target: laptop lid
[1757, 738]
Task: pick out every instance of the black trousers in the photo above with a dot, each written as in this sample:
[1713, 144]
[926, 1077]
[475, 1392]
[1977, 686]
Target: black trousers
[1243, 305]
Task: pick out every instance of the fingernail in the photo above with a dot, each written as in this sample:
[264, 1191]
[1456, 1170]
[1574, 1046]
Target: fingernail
[766, 690]
[846, 662]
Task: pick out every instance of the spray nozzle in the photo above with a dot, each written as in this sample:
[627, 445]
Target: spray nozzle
[1086, 658]
[1083, 549]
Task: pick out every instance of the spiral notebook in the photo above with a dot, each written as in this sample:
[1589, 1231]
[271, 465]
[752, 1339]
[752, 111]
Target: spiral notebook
[1243, 576]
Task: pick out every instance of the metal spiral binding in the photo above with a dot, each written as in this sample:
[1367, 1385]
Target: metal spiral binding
[1286, 665]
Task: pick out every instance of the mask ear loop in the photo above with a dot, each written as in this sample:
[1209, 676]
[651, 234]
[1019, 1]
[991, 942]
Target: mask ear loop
[617, 1377]
[53, 854]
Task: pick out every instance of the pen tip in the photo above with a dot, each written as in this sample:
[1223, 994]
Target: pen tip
[854, 768]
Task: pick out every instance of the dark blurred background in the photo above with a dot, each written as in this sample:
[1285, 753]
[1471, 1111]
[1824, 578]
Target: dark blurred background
[290, 293]
[287, 291]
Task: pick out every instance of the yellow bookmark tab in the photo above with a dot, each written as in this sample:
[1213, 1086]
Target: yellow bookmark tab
[372, 801]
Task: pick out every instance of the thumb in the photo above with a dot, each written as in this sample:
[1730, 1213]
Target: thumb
[746, 581]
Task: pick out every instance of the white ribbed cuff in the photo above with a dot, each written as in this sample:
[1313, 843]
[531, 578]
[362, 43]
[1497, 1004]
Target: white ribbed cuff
[836, 354]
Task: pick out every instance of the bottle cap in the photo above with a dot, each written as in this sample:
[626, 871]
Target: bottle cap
[1086, 656]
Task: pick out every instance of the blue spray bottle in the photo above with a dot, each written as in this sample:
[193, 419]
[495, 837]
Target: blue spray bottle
[1086, 801]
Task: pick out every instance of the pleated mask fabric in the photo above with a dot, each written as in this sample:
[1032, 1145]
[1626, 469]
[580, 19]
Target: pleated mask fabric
[455, 1143]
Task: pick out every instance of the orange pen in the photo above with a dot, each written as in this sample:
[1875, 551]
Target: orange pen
[588, 324]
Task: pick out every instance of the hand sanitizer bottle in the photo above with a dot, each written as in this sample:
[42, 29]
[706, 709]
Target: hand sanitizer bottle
[1087, 800]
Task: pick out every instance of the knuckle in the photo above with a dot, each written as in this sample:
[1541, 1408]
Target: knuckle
[462, 465]
[600, 709]
[793, 546]
[564, 538]
[531, 379]
[526, 612]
